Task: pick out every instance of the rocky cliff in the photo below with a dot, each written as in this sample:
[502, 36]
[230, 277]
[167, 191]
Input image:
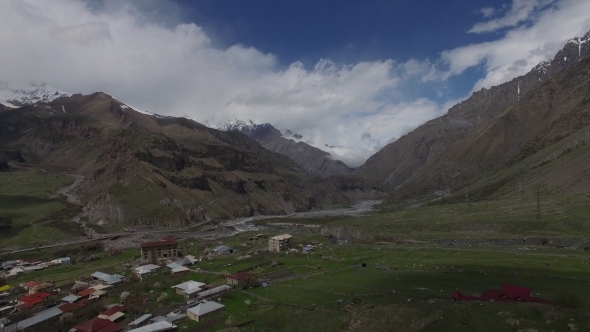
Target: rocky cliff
[414, 162]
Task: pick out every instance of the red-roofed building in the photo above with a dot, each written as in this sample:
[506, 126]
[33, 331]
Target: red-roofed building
[32, 300]
[73, 306]
[113, 310]
[98, 325]
[86, 292]
[165, 248]
[238, 278]
[517, 290]
[509, 293]
[30, 284]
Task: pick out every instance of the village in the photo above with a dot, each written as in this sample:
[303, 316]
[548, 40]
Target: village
[111, 302]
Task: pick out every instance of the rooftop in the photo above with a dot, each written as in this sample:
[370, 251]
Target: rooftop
[205, 308]
[167, 241]
[214, 291]
[98, 325]
[146, 268]
[281, 237]
[36, 319]
[190, 287]
[156, 327]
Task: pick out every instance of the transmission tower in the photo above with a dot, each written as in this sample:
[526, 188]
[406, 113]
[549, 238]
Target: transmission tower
[538, 203]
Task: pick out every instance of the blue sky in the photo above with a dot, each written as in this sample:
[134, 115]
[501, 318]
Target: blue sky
[351, 74]
[348, 31]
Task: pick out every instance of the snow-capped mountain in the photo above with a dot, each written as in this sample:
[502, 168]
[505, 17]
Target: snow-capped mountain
[13, 95]
[311, 159]
[250, 126]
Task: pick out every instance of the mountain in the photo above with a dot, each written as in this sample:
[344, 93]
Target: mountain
[142, 168]
[485, 134]
[310, 159]
[12, 95]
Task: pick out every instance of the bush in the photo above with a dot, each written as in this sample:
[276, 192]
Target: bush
[568, 300]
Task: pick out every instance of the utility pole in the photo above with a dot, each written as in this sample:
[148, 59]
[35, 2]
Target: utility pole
[538, 203]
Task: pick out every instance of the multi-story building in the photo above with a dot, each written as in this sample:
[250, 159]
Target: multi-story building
[280, 243]
[165, 248]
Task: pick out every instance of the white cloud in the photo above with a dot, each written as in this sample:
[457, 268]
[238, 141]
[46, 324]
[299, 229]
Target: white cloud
[174, 69]
[521, 48]
[488, 11]
[520, 11]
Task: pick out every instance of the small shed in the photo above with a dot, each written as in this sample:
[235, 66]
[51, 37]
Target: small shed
[222, 250]
[238, 278]
[307, 249]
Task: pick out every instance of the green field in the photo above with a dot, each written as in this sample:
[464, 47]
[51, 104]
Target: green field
[416, 255]
[28, 216]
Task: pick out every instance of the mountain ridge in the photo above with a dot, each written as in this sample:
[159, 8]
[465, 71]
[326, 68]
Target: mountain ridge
[399, 163]
[312, 160]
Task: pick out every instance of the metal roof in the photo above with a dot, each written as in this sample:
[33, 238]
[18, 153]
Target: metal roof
[156, 327]
[141, 319]
[205, 308]
[38, 318]
[71, 298]
[146, 268]
[190, 287]
[222, 248]
[214, 291]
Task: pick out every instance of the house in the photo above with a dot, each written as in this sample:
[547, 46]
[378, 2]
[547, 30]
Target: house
[86, 292]
[29, 284]
[161, 326]
[113, 314]
[68, 307]
[31, 300]
[10, 264]
[307, 249]
[216, 291]
[176, 268]
[98, 325]
[109, 279]
[238, 278]
[509, 293]
[205, 310]
[45, 286]
[189, 289]
[165, 248]
[71, 298]
[145, 270]
[40, 317]
[222, 250]
[280, 243]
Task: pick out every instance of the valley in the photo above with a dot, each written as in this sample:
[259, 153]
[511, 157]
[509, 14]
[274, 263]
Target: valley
[476, 220]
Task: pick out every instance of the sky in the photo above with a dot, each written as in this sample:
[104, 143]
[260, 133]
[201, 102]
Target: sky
[349, 76]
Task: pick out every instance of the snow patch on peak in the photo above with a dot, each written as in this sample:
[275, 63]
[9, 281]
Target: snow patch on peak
[28, 94]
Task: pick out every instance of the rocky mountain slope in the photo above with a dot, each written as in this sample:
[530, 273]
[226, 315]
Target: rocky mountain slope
[480, 135]
[310, 159]
[149, 169]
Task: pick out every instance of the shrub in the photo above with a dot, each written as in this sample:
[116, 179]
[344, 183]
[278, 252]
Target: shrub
[568, 300]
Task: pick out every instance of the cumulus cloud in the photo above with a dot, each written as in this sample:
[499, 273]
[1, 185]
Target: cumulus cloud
[522, 47]
[142, 54]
